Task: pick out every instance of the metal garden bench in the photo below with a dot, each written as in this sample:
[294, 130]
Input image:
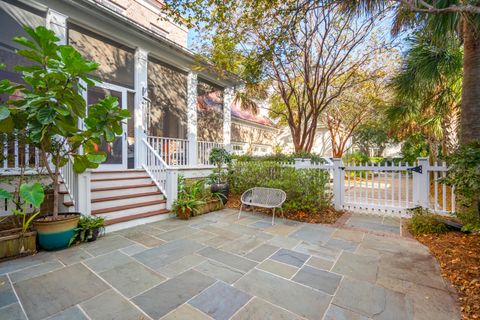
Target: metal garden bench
[264, 198]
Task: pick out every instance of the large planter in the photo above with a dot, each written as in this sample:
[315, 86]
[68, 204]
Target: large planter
[183, 215]
[14, 243]
[209, 206]
[221, 188]
[56, 234]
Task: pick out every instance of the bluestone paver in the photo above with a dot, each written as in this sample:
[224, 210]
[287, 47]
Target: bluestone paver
[318, 279]
[172, 293]
[357, 266]
[12, 312]
[313, 234]
[219, 271]
[220, 301]
[259, 309]
[35, 271]
[290, 257]
[320, 263]
[281, 292]
[261, 252]
[278, 268]
[185, 312]
[7, 296]
[229, 259]
[72, 313]
[111, 305]
[337, 313]
[108, 261]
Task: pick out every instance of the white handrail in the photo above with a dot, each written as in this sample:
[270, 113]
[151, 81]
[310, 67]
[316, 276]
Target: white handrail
[155, 166]
[70, 181]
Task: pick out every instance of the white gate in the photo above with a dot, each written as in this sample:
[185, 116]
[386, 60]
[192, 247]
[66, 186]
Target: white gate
[394, 188]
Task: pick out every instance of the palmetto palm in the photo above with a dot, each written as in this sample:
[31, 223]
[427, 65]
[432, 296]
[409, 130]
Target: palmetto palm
[443, 18]
[428, 92]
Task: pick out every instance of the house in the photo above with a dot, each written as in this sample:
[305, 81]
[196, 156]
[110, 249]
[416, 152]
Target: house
[178, 113]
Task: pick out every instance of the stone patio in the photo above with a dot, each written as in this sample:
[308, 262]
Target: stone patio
[214, 266]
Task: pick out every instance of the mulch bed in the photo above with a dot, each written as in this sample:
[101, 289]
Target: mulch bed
[459, 258]
[326, 215]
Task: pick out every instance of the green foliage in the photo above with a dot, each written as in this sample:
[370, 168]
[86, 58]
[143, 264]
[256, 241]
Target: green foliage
[424, 222]
[464, 174]
[30, 195]
[372, 135]
[414, 147]
[191, 195]
[306, 189]
[219, 157]
[85, 228]
[281, 157]
[355, 157]
[50, 106]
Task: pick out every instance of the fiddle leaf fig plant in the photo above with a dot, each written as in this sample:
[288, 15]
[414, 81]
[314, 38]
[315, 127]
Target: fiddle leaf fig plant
[48, 106]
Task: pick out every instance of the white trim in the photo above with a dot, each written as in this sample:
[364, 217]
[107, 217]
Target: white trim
[250, 123]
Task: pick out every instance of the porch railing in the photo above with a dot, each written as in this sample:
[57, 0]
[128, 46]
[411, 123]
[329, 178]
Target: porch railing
[16, 153]
[70, 181]
[203, 151]
[173, 151]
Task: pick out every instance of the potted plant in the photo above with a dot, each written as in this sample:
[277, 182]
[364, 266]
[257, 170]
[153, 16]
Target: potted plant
[218, 179]
[88, 229]
[189, 199]
[48, 108]
[21, 240]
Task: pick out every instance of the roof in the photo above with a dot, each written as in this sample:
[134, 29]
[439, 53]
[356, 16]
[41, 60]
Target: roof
[247, 115]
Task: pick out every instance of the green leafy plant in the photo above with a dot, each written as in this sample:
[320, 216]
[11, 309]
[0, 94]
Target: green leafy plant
[306, 189]
[424, 222]
[190, 197]
[86, 227]
[30, 195]
[219, 157]
[464, 174]
[50, 106]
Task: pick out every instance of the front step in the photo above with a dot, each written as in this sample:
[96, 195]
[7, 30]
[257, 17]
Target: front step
[125, 197]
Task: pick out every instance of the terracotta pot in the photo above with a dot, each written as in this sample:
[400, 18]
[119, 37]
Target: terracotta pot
[14, 243]
[183, 215]
[56, 234]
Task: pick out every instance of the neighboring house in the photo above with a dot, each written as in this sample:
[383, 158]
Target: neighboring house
[322, 144]
[178, 114]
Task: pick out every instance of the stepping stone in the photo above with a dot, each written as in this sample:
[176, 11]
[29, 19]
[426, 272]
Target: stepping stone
[110, 305]
[297, 298]
[258, 309]
[280, 269]
[290, 257]
[318, 279]
[220, 301]
[65, 287]
[172, 293]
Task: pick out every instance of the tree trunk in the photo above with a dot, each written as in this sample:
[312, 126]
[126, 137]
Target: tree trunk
[450, 131]
[470, 109]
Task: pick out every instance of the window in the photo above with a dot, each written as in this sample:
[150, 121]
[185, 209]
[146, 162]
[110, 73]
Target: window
[209, 111]
[116, 60]
[167, 90]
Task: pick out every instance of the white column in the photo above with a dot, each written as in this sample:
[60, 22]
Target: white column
[141, 111]
[227, 116]
[172, 187]
[338, 183]
[192, 82]
[57, 22]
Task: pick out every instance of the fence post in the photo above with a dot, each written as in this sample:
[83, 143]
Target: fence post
[172, 187]
[421, 184]
[84, 196]
[338, 183]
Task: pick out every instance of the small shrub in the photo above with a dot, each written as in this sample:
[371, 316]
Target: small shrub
[306, 189]
[424, 222]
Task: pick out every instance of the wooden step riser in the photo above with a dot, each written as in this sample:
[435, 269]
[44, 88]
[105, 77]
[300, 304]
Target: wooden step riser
[132, 211]
[120, 174]
[122, 202]
[120, 192]
[117, 183]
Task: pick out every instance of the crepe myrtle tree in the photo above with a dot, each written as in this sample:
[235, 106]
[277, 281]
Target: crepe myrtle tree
[48, 106]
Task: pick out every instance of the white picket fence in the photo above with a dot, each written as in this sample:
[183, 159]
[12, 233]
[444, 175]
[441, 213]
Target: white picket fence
[387, 189]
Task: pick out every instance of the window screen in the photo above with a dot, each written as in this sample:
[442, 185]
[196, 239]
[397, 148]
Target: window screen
[167, 90]
[116, 60]
[209, 111]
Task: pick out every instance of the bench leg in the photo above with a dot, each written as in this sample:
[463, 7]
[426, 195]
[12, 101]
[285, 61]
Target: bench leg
[240, 211]
[273, 216]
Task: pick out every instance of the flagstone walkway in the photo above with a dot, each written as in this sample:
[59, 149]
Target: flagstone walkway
[214, 266]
